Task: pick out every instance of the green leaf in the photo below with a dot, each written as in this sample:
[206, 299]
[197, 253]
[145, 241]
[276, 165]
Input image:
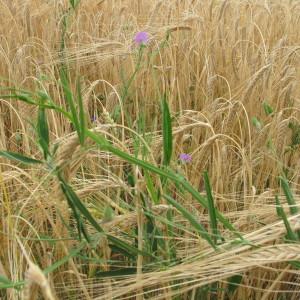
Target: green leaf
[20, 158]
[167, 132]
[233, 283]
[76, 202]
[5, 280]
[127, 247]
[70, 99]
[82, 124]
[294, 263]
[151, 188]
[43, 131]
[211, 208]
[5, 283]
[267, 108]
[72, 253]
[281, 213]
[258, 125]
[204, 203]
[23, 97]
[108, 214]
[289, 195]
[120, 272]
[74, 3]
[185, 213]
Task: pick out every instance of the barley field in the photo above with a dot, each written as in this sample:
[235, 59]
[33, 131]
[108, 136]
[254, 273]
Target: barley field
[149, 149]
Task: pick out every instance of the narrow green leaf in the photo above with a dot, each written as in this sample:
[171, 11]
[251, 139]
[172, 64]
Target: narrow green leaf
[257, 123]
[267, 108]
[5, 280]
[22, 97]
[27, 97]
[167, 132]
[72, 253]
[233, 283]
[120, 272]
[81, 113]
[151, 188]
[74, 3]
[204, 203]
[289, 195]
[43, 131]
[15, 285]
[281, 213]
[74, 199]
[20, 158]
[108, 214]
[74, 209]
[170, 243]
[211, 208]
[127, 247]
[185, 213]
[294, 263]
[70, 99]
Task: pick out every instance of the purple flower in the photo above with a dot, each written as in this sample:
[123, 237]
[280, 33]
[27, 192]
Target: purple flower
[185, 157]
[94, 118]
[141, 38]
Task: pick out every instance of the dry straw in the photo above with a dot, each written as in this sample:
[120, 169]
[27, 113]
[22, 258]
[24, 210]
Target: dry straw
[222, 61]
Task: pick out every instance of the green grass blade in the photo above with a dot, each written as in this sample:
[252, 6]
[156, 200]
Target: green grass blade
[233, 283]
[295, 264]
[167, 133]
[22, 97]
[72, 253]
[267, 108]
[15, 285]
[70, 99]
[151, 188]
[257, 123]
[226, 223]
[43, 131]
[120, 272]
[289, 195]
[74, 3]
[211, 208]
[20, 158]
[77, 217]
[185, 213]
[82, 124]
[281, 213]
[127, 247]
[28, 98]
[170, 243]
[74, 199]
[4, 280]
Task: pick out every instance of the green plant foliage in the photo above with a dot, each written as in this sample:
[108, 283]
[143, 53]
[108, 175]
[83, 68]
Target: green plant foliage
[267, 108]
[211, 208]
[20, 158]
[189, 216]
[167, 133]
